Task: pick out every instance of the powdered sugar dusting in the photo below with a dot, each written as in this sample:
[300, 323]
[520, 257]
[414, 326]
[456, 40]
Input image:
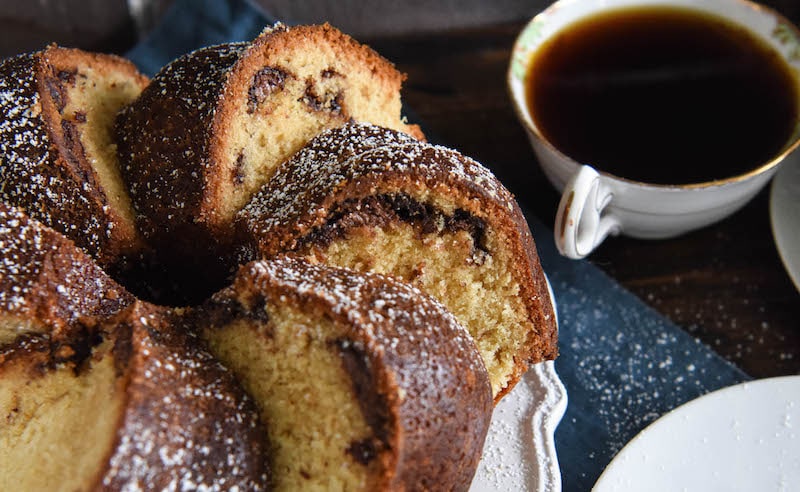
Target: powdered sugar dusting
[164, 153]
[425, 366]
[319, 163]
[626, 401]
[29, 174]
[183, 72]
[370, 301]
[298, 194]
[520, 451]
[24, 146]
[42, 274]
[187, 427]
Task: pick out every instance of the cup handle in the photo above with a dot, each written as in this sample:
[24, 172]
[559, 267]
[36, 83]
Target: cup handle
[581, 223]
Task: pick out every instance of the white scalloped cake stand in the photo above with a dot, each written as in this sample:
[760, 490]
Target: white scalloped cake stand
[520, 452]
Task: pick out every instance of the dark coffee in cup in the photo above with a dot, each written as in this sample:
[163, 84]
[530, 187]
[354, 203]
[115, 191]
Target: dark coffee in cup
[663, 95]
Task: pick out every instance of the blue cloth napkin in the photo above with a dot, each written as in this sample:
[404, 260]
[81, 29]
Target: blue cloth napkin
[623, 364]
[191, 24]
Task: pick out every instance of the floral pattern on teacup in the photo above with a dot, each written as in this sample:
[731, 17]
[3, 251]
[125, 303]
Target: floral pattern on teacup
[788, 36]
[525, 44]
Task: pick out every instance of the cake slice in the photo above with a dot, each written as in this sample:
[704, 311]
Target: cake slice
[100, 391]
[128, 403]
[364, 198]
[367, 384]
[47, 285]
[58, 158]
[215, 124]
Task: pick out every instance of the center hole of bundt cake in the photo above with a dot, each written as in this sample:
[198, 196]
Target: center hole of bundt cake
[170, 282]
[292, 364]
[450, 255]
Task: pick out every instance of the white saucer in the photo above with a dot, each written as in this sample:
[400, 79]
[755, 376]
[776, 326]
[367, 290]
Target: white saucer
[784, 210]
[520, 451]
[741, 438]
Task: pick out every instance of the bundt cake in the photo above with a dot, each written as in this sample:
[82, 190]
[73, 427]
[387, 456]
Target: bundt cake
[215, 124]
[58, 159]
[422, 213]
[100, 391]
[323, 365]
[366, 383]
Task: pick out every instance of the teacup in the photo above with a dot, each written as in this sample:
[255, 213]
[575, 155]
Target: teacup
[594, 203]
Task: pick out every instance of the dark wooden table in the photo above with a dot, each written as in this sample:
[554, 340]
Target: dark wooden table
[724, 284]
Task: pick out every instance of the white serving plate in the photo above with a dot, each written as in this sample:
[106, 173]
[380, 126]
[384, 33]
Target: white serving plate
[741, 438]
[520, 453]
[784, 210]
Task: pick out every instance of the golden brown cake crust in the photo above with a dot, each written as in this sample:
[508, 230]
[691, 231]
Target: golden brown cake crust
[47, 280]
[351, 163]
[171, 138]
[187, 424]
[185, 421]
[43, 168]
[164, 139]
[416, 372]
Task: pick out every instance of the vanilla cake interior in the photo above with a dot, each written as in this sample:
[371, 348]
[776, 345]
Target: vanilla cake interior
[290, 363]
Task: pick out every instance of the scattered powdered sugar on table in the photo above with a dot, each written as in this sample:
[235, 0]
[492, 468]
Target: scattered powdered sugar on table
[630, 389]
[622, 364]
